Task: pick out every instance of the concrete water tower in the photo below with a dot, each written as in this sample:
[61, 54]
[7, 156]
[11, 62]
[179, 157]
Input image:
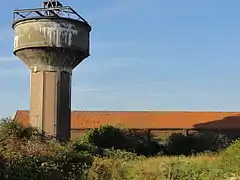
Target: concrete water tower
[51, 41]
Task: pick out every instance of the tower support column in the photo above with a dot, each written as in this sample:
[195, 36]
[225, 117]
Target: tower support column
[50, 102]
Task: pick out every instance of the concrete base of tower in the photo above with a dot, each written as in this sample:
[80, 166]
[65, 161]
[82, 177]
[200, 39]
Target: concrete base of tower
[50, 102]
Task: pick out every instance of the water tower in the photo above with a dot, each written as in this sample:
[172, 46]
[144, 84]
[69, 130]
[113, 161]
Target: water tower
[51, 41]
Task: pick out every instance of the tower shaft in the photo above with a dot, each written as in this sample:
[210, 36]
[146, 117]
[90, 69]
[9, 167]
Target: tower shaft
[50, 102]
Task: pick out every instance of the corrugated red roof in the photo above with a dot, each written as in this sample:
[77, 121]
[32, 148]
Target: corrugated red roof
[148, 119]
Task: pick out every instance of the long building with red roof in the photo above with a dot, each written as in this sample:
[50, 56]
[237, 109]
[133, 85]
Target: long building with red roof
[155, 121]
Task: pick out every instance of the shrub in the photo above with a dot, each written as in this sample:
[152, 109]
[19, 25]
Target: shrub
[88, 148]
[143, 144]
[24, 154]
[60, 166]
[219, 142]
[109, 137]
[106, 137]
[30, 159]
[11, 128]
[231, 156]
[179, 144]
[234, 149]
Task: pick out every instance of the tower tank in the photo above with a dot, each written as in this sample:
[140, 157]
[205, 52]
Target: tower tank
[51, 41]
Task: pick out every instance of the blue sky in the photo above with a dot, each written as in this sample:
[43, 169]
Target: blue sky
[145, 55]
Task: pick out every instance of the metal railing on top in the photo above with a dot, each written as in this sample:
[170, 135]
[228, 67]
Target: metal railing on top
[64, 11]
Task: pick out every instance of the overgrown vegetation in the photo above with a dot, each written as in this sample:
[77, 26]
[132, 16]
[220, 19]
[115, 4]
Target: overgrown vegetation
[107, 137]
[115, 153]
[179, 144]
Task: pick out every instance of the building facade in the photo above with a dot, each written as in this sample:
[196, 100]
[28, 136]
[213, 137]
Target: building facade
[155, 122]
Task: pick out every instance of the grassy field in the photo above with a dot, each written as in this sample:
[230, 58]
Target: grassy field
[215, 165]
[198, 167]
[25, 154]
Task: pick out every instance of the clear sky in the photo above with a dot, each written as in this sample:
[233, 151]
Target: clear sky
[145, 55]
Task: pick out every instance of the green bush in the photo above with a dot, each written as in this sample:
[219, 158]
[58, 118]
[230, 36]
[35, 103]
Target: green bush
[143, 144]
[42, 160]
[109, 137]
[10, 128]
[60, 166]
[179, 144]
[219, 142]
[234, 149]
[88, 148]
[230, 158]
[25, 154]
[106, 137]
